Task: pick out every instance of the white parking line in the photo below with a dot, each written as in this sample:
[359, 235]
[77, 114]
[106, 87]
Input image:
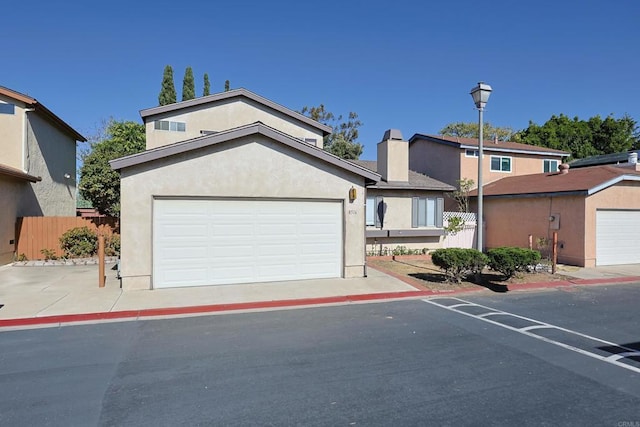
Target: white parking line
[613, 359]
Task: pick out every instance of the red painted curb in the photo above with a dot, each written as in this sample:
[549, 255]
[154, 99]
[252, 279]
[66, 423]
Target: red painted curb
[214, 308]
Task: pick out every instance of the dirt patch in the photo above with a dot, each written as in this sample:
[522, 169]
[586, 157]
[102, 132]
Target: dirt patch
[424, 274]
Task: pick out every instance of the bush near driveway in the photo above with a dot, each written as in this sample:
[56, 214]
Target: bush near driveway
[510, 260]
[459, 263]
[79, 242]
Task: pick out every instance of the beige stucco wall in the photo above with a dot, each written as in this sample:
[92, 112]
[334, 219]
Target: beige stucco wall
[438, 161]
[398, 217]
[521, 164]
[393, 160]
[50, 154]
[224, 115]
[12, 130]
[10, 190]
[624, 195]
[254, 167]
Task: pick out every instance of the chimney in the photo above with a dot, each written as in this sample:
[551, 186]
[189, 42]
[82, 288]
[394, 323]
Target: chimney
[633, 158]
[393, 157]
[495, 138]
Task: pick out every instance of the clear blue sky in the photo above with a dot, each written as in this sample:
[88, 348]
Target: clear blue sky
[406, 64]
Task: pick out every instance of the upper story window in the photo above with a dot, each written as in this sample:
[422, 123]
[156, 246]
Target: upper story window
[471, 153]
[170, 126]
[550, 165]
[7, 108]
[500, 164]
[427, 212]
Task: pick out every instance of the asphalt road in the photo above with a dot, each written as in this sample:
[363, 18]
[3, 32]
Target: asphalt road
[490, 359]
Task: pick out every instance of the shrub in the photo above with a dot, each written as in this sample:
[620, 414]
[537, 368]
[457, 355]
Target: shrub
[112, 245]
[49, 254]
[509, 260]
[79, 242]
[459, 263]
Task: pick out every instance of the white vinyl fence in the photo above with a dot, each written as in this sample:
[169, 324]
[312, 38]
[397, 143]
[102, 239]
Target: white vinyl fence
[465, 238]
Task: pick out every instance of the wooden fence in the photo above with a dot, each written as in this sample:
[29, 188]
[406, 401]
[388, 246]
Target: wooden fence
[35, 233]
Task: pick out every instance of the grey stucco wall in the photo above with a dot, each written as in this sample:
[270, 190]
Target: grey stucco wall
[50, 154]
[250, 167]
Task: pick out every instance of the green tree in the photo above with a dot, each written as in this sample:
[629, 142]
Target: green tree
[168, 92]
[471, 130]
[226, 86]
[343, 140]
[583, 138]
[99, 184]
[207, 86]
[188, 85]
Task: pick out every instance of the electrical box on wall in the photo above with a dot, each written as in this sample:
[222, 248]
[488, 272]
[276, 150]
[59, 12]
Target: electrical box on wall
[554, 221]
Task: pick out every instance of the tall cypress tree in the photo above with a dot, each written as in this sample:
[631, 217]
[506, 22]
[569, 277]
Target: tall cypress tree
[207, 85]
[168, 92]
[226, 86]
[188, 85]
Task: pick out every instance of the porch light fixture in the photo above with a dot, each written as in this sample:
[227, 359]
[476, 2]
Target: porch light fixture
[352, 194]
[480, 95]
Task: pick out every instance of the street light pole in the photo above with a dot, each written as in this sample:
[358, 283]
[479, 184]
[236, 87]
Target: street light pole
[480, 96]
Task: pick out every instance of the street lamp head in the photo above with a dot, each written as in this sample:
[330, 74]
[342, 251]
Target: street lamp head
[480, 95]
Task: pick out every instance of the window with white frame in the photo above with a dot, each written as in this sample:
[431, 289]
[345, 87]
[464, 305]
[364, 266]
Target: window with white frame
[374, 211]
[550, 165]
[371, 216]
[427, 212]
[500, 164]
[471, 153]
[170, 126]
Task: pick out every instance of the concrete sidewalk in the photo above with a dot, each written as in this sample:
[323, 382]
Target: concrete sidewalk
[55, 295]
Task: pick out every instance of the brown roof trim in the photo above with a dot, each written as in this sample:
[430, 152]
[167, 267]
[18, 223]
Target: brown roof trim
[40, 108]
[503, 146]
[16, 173]
[239, 132]
[326, 130]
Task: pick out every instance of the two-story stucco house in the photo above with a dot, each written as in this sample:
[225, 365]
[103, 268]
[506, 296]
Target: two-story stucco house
[234, 188]
[405, 208]
[450, 159]
[37, 165]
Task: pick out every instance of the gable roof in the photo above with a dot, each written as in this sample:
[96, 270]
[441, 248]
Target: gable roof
[236, 93]
[490, 145]
[40, 108]
[17, 173]
[239, 132]
[603, 159]
[582, 181]
[417, 181]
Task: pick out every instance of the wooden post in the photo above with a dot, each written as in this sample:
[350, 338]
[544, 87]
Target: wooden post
[530, 241]
[101, 277]
[554, 252]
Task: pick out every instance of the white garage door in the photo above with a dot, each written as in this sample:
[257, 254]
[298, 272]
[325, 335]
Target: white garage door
[617, 237]
[215, 242]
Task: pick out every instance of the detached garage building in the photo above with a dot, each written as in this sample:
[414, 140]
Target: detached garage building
[595, 211]
[247, 204]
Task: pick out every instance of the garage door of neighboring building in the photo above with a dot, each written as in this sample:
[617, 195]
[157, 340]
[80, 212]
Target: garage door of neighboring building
[200, 242]
[617, 239]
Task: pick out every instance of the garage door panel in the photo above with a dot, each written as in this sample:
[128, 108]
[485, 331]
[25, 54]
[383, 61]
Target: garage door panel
[212, 242]
[616, 237]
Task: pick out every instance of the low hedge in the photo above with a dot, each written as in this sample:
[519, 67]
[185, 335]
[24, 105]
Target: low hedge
[510, 260]
[459, 263]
